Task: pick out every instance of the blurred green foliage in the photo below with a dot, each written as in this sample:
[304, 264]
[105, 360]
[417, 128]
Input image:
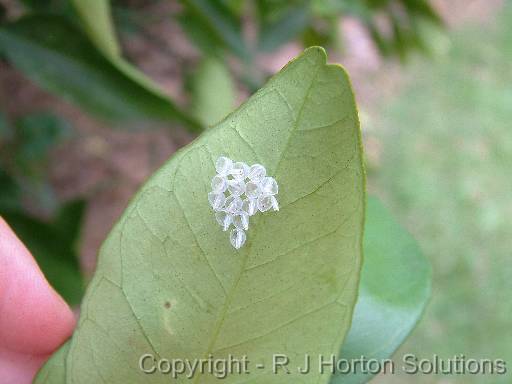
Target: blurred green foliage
[396, 26]
[97, 23]
[71, 49]
[24, 147]
[24, 156]
[213, 91]
[35, 135]
[54, 53]
[445, 168]
[214, 25]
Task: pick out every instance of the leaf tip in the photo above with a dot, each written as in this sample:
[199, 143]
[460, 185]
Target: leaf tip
[319, 55]
[316, 53]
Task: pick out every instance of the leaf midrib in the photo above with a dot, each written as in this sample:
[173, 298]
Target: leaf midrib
[232, 291]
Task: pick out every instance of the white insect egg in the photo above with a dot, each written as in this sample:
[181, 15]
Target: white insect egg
[240, 191]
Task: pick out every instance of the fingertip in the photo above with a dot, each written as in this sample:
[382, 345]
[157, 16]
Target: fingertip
[35, 319]
[17, 368]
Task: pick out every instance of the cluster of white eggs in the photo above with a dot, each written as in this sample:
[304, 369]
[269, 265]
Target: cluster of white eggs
[238, 192]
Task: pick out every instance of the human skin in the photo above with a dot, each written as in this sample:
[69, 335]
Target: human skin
[34, 319]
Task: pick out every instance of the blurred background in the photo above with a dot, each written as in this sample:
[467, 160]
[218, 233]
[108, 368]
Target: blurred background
[81, 128]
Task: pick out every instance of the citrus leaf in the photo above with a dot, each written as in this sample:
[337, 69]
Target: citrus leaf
[394, 290]
[54, 371]
[60, 58]
[213, 91]
[168, 281]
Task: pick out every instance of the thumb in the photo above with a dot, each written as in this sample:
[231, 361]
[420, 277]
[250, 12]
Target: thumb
[34, 319]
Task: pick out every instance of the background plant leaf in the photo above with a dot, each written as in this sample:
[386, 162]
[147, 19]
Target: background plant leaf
[168, 280]
[97, 20]
[213, 91]
[218, 22]
[59, 57]
[393, 292]
[286, 27]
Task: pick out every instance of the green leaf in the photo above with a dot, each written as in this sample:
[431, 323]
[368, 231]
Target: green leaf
[394, 290]
[98, 24]
[54, 246]
[202, 38]
[423, 8]
[213, 91]
[289, 25]
[169, 283]
[56, 55]
[54, 371]
[217, 21]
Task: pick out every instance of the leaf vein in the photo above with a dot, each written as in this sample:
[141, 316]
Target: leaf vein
[296, 124]
[137, 320]
[202, 251]
[284, 325]
[247, 143]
